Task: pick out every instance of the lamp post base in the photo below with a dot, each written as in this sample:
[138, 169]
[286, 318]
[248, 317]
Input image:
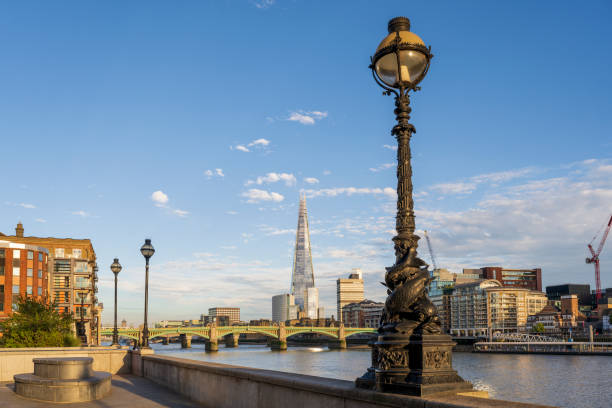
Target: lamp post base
[414, 365]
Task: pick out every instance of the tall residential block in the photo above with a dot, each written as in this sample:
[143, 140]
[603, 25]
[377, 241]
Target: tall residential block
[302, 277]
[72, 278]
[231, 313]
[23, 272]
[349, 291]
[281, 307]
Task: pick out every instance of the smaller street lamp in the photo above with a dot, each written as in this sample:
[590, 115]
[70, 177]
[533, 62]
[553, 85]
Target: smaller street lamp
[147, 251]
[115, 268]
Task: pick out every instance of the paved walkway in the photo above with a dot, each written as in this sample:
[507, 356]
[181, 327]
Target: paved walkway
[128, 392]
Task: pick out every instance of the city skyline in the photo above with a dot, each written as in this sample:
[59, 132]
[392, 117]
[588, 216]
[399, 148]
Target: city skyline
[140, 130]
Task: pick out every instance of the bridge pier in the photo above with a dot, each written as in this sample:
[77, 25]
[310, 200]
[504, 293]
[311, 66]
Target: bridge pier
[337, 344]
[185, 340]
[278, 345]
[211, 345]
[165, 340]
[231, 340]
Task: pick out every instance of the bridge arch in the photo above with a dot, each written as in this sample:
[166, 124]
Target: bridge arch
[349, 334]
[178, 333]
[239, 330]
[313, 330]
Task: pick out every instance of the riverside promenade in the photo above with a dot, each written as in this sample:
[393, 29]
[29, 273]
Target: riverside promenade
[143, 379]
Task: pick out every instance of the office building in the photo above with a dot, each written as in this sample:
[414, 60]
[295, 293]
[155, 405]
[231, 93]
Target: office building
[281, 307]
[312, 303]
[515, 278]
[349, 291]
[232, 314]
[302, 277]
[582, 291]
[366, 313]
[23, 272]
[72, 278]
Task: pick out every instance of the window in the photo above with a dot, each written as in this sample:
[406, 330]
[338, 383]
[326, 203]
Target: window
[76, 253]
[1, 266]
[1, 253]
[82, 283]
[39, 274]
[59, 252]
[29, 290]
[15, 289]
[39, 291]
[30, 255]
[16, 254]
[16, 271]
[30, 272]
[40, 258]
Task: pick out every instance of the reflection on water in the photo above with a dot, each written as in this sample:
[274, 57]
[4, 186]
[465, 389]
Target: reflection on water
[566, 381]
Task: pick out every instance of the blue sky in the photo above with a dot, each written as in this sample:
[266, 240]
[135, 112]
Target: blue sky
[231, 108]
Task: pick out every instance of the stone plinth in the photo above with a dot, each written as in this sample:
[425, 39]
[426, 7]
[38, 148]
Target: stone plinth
[417, 365]
[67, 379]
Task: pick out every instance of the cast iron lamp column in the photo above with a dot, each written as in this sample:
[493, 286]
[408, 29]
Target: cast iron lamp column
[116, 268]
[410, 356]
[147, 251]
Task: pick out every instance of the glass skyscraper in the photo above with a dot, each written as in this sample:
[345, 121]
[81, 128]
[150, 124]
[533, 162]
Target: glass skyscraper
[302, 277]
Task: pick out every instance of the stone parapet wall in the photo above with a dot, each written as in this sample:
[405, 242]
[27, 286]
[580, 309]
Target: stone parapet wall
[226, 386]
[19, 360]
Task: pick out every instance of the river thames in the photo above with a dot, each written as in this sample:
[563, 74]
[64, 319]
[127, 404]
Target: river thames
[565, 381]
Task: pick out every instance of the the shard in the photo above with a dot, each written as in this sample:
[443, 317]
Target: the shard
[302, 277]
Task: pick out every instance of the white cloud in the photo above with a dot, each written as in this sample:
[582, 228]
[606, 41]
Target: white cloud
[41, 220]
[81, 213]
[326, 172]
[311, 180]
[259, 142]
[255, 196]
[242, 148]
[349, 191]
[159, 198]
[264, 4]
[307, 118]
[25, 205]
[214, 173]
[394, 148]
[382, 167]
[180, 213]
[454, 188]
[288, 178]
[231, 212]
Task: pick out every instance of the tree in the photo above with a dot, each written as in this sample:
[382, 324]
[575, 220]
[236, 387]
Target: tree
[36, 323]
[538, 328]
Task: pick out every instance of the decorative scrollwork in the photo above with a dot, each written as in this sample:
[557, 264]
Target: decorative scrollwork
[386, 359]
[437, 359]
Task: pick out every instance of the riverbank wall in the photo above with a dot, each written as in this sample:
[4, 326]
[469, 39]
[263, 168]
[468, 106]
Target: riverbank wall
[227, 386]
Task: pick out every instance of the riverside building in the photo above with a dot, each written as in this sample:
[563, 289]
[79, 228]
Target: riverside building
[479, 309]
[366, 313]
[23, 272]
[72, 278]
[349, 291]
[231, 313]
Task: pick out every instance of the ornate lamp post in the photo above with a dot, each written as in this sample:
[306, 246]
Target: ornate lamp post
[116, 268]
[147, 251]
[411, 356]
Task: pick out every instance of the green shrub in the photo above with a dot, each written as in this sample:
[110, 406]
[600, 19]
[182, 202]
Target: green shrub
[35, 323]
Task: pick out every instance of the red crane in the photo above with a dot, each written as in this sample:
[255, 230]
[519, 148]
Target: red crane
[595, 259]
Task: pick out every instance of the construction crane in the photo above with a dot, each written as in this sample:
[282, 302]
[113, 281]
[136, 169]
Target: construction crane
[595, 259]
[431, 253]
